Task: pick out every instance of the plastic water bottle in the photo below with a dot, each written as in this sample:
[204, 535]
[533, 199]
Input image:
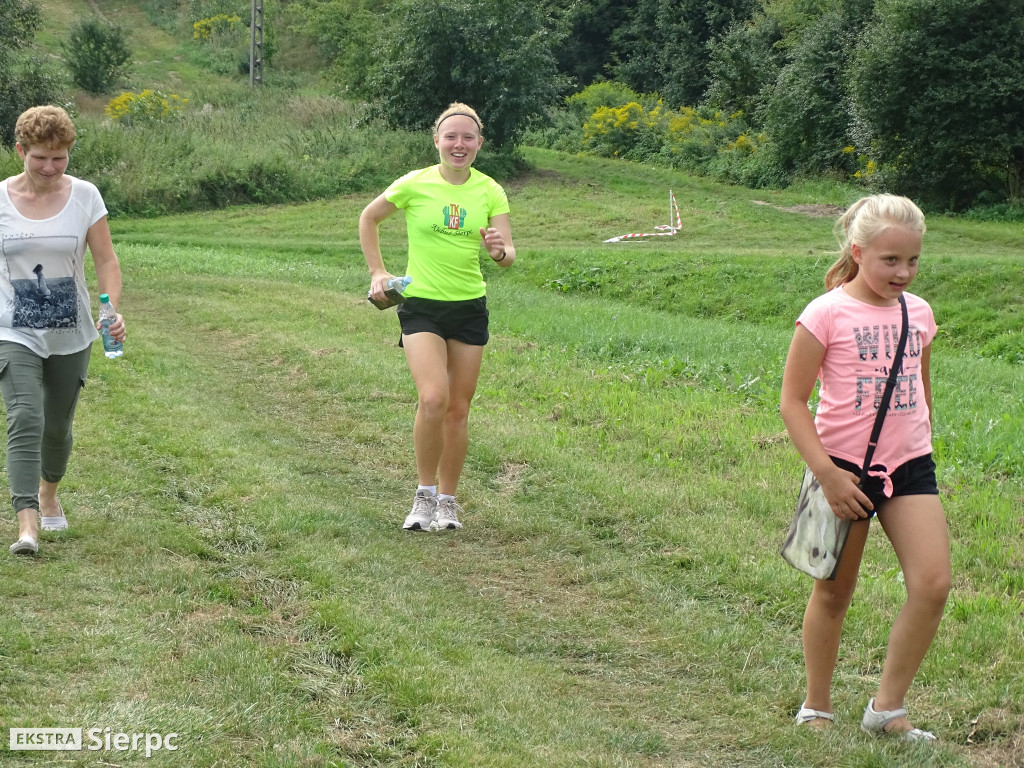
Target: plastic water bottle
[111, 347]
[393, 293]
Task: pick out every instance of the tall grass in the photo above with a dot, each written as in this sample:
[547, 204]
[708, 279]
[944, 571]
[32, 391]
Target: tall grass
[232, 146]
[260, 146]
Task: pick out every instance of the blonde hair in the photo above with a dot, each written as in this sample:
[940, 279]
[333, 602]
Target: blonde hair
[45, 126]
[458, 108]
[863, 222]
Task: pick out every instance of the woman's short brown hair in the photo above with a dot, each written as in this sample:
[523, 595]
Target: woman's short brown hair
[45, 126]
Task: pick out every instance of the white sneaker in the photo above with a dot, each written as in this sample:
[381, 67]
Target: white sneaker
[424, 511]
[25, 545]
[447, 518]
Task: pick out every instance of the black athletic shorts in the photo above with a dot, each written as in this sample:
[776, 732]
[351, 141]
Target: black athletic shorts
[464, 321]
[914, 478]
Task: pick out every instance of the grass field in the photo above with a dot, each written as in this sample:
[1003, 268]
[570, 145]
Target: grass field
[235, 571]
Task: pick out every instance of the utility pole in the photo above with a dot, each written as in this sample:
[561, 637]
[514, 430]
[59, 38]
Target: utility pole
[256, 44]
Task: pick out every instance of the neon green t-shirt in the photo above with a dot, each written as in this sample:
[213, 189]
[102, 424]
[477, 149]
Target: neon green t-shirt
[443, 222]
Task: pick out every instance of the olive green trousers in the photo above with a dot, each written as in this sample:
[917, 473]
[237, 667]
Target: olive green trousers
[40, 394]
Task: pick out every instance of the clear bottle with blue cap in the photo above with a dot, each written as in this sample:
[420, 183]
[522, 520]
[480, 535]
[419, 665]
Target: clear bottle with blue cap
[112, 348]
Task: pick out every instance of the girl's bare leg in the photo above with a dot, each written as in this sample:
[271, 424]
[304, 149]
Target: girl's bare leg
[823, 622]
[916, 526]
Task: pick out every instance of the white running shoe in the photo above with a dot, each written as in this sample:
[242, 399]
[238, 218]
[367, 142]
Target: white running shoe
[447, 518]
[424, 512]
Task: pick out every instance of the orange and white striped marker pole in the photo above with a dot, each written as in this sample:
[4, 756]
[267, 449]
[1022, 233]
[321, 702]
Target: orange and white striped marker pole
[661, 229]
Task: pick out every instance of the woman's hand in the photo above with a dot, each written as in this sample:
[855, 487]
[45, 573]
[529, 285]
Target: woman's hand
[117, 328]
[843, 494]
[379, 284]
[494, 242]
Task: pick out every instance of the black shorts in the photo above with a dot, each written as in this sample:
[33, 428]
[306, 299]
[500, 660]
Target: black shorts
[914, 478]
[464, 321]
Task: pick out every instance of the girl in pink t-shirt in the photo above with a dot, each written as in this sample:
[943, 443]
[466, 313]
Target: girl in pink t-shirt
[846, 340]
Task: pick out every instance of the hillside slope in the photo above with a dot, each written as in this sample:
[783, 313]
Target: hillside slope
[167, 58]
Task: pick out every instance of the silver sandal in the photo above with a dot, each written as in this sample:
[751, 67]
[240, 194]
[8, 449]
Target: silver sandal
[806, 715]
[56, 522]
[874, 722]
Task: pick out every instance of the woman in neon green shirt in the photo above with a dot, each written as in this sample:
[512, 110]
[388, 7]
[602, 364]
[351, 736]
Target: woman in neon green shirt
[450, 208]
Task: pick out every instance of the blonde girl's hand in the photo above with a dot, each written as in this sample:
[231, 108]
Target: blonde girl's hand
[843, 494]
[117, 328]
[494, 242]
[379, 284]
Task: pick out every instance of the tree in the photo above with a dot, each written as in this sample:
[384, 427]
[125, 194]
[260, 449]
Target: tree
[97, 54]
[938, 98]
[19, 21]
[744, 63]
[587, 26]
[491, 54]
[348, 34]
[665, 44]
[806, 111]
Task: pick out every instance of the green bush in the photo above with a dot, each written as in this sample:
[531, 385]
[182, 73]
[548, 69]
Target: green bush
[19, 21]
[559, 130]
[628, 131]
[664, 46]
[562, 128]
[146, 107]
[745, 63]
[300, 148]
[704, 141]
[806, 112]
[494, 55]
[606, 93]
[31, 81]
[937, 97]
[97, 55]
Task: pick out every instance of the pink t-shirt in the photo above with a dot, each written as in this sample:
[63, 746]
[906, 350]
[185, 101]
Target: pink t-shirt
[860, 341]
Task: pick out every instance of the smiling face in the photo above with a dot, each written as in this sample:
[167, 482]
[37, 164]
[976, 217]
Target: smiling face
[458, 140]
[887, 265]
[44, 166]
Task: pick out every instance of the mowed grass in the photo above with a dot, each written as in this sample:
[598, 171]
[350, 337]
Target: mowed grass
[236, 573]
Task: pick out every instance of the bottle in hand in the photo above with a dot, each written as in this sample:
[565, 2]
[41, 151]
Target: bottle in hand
[111, 347]
[393, 294]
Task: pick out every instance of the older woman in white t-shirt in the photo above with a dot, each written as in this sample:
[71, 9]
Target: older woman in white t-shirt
[47, 219]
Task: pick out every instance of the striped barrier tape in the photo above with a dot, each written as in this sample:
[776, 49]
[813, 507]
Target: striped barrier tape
[673, 213]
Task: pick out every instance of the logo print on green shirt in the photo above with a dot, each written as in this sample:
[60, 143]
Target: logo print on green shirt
[454, 216]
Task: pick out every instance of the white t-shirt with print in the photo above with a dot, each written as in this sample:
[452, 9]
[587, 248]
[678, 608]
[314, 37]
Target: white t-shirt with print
[44, 301]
